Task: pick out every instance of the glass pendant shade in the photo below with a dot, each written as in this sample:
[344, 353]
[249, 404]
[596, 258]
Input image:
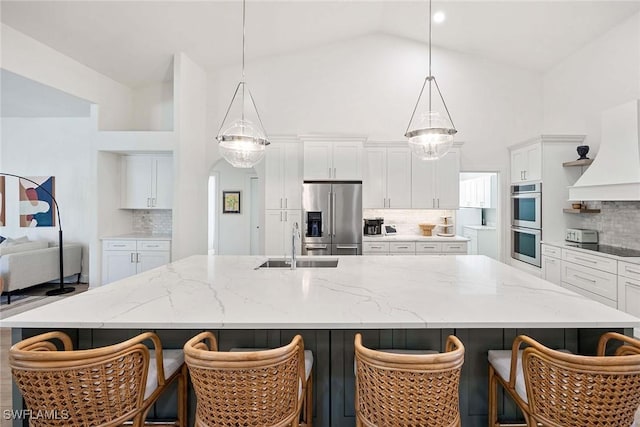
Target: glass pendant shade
[431, 137]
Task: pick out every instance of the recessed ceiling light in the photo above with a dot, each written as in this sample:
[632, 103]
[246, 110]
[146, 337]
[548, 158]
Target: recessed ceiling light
[439, 17]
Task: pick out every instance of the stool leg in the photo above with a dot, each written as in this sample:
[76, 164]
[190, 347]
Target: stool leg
[308, 404]
[493, 398]
[182, 397]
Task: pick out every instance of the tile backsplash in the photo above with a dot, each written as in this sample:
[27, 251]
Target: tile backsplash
[618, 223]
[407, 220]
[157, 221]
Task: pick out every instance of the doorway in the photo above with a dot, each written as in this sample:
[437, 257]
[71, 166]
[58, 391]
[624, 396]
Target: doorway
[479, 213]
[233, 231]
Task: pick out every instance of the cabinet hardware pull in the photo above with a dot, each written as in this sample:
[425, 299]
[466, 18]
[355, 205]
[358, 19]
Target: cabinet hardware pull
[118, 246]
[329, 172]
[281, 216]
[586, 260]
[153, 246]
[584, 278]
[280, 202]
[402, 247]
[438, 201]
[131, 257]
[138, 258]
[376, 247]
[334, 172]
[286, 203]
[632, 271]
[286, 216]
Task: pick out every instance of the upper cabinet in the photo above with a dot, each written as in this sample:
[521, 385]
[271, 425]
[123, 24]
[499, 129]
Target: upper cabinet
[147, 182]
[526, 163]
[387, 177]
[283, 177]
[435, 184]
[333, 159]
[480, 192]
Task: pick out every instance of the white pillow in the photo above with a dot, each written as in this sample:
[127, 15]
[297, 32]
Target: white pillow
[22, 247]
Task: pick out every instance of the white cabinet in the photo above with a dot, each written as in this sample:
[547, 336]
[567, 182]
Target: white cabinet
[414, 248]
[124, 258]
[332, 159]
[482, 241]
[551, 264]
[480, 192]
[147, 182]
[629, 288]
[279, 231]
[387, 177]
[435, 184]
[283, 177]
[526, 163]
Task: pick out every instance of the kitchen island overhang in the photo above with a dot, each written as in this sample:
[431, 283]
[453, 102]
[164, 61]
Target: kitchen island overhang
[402, 302]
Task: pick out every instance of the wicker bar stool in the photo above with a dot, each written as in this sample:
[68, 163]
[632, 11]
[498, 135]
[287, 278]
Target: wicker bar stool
[256, 388]
[559, 389]
[101, 387]
[408, 389]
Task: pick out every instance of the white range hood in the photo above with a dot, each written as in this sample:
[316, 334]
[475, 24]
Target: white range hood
[615, 172]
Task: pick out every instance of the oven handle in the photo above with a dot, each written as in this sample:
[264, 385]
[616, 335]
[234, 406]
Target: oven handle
[526, 231]
[531, 195]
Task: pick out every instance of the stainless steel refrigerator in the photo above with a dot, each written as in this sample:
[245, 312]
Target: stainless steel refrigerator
[332, 218]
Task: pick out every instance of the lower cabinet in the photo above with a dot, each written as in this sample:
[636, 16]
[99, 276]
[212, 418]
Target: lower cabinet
[552, 270]
[629, 288]
[279, 231]
[124, 258]
[482, 241]
[414, 248]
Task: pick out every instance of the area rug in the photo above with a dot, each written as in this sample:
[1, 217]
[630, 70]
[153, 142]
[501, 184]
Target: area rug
[35, 297]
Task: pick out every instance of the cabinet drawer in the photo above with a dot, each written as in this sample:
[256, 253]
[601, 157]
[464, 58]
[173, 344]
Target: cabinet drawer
[428, 248]
[595, 281]
[552, 251]
[628, 269]
[601, 263]
[154, 245]
[590, 295]
[119, 245]
[375, 247]
[402, 247]
[454, 248]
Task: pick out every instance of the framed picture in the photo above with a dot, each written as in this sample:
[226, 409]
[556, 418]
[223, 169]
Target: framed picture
[36, 202]
[231, 202]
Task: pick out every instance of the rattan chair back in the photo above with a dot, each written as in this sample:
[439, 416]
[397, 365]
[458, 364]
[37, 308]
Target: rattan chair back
[100, 387]
[566, 390]
[257, 388]
[407, 389]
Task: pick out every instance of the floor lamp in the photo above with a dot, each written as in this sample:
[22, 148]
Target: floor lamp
[61, 290]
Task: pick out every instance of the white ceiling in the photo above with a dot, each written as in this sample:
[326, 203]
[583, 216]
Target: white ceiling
[133, 41]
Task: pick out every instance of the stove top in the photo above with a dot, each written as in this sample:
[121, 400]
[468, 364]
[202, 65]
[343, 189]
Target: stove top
[606, 249]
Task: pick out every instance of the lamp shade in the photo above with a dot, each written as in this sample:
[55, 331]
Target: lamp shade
[430, 136]
[242, 144]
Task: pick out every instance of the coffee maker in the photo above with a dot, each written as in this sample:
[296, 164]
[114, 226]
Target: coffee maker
[373, 226]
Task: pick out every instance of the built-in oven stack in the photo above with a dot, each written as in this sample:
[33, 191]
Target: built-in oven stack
[526, 222]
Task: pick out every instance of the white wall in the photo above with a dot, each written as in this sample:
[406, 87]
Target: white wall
[601, 75]
[30, 58]
[191, 171]
[153, 107]
[234, 234]
[60, 147]
[369, 85]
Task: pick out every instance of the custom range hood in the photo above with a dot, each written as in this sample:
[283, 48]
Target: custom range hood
[615, 172]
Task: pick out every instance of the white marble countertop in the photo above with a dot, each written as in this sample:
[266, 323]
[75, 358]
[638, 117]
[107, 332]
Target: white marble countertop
[372, 292]
[480, 227]
[412, 238]
[138, 236]
[565, 245]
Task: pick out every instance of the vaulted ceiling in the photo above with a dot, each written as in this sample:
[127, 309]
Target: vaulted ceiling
[133, 41]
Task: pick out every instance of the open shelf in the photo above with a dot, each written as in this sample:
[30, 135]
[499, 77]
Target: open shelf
[585, 162]
[579, 211]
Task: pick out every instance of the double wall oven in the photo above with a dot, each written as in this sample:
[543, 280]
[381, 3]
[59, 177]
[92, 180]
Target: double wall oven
[526, 222]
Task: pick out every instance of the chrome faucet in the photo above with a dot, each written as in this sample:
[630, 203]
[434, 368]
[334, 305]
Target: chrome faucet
[295, 234]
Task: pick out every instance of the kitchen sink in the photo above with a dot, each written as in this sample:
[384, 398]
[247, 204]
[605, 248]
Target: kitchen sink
[301, 263]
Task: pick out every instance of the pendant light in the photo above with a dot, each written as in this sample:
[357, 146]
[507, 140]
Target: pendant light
[430, 134]
[243, 141]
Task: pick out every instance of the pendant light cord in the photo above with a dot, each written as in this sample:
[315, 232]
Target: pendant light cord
[243, 49]
[430, 75]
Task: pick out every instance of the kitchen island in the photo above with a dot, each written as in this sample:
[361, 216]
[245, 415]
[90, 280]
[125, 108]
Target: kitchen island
[401, 301]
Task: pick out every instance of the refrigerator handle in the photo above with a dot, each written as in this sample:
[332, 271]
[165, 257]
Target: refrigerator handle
[333, 208]
[329, 221]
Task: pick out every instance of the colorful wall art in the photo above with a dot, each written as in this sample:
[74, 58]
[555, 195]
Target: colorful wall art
[2, 202]
[36, 205]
